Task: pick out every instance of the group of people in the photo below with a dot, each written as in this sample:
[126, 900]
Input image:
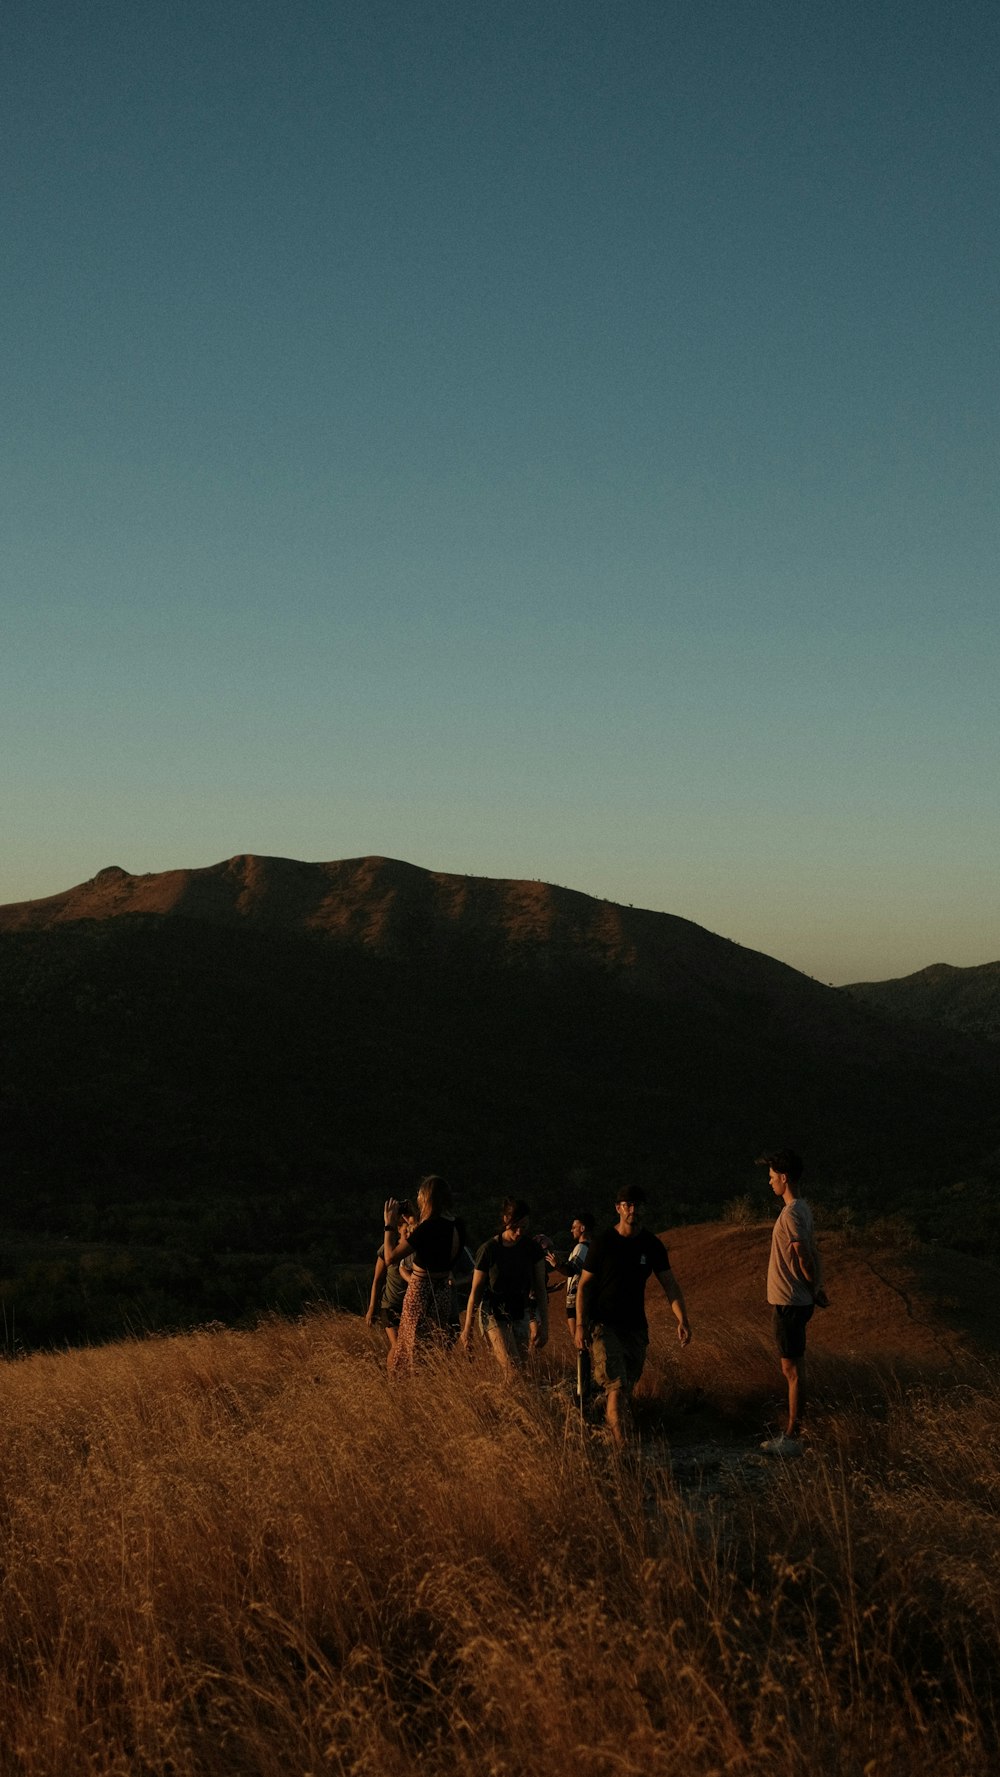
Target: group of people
[428, 1284]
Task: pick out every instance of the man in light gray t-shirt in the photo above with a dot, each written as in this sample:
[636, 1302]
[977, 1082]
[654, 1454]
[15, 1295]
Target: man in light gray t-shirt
[786, 1284]
[794, 1286]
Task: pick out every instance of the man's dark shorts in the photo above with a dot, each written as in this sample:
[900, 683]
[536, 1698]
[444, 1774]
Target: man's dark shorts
[790, 1330]
[618, 1355]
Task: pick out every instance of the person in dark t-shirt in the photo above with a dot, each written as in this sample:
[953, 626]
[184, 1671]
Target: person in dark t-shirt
[510, 1269]
[610, 1305]
[435, 1244]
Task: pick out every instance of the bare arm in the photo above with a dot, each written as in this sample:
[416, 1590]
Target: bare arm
[393, 1254]
[804, 1260]
[478, 1282]
[542, 1304]
[393, 1249]
[672, 1290]
[586, 1278]
[807, 1261]
[378, 1285]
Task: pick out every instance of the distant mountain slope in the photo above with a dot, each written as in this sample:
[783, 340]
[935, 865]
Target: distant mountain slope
[248, 1056]
[394, 908]
[400, 911]
[967, 1000]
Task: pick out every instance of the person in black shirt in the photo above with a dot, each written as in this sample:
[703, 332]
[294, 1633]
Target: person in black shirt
[610, 1305]
[435, 1243]
[509, 1269]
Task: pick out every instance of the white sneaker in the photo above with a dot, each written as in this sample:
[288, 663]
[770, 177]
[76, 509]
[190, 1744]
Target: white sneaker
[783, 1445]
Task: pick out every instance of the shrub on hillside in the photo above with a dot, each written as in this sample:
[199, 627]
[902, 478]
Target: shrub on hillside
[893, 1231]
[741, 1212]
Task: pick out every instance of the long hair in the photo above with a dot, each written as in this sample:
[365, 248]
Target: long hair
[433, 1197]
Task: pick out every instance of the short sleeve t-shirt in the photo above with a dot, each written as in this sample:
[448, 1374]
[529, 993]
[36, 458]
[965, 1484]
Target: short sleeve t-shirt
[621, 1265]
[786, 1287]
[575, 1264]
[433, 1242]
[396, 1284]
[510, 1270]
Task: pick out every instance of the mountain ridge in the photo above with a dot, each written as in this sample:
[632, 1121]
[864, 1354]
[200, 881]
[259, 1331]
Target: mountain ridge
[387, 904]
[960, 999]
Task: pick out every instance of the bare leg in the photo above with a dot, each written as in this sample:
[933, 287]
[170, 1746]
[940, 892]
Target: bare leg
[793, 1370]
[390, 1333]
[504, 1350]
[617, 1412]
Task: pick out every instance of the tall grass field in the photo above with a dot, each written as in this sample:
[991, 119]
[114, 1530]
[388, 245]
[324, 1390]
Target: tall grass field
[231, 1553]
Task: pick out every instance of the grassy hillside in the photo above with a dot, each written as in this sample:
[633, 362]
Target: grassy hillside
[966, 1000]
[241, 1553]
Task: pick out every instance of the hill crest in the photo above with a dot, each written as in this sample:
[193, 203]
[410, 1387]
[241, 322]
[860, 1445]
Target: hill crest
[960, 999]
[388, 905]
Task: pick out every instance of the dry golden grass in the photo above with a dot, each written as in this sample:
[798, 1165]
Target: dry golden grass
[251, 1553]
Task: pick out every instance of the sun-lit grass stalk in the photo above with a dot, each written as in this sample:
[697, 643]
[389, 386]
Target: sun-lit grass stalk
[238, 1553]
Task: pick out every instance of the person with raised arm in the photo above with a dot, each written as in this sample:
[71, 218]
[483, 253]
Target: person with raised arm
[390, 1283]
[435, 1244]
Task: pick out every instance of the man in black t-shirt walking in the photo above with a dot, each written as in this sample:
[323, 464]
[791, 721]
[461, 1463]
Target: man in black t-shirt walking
[610, 1305]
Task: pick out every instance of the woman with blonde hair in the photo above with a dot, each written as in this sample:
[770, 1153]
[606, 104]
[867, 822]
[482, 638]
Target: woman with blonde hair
[435, 1243]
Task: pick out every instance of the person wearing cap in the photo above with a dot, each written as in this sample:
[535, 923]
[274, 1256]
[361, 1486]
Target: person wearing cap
[794, 1287]
[610, 1305]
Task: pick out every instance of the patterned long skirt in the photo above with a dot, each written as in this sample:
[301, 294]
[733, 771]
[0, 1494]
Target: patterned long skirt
[426, 1317]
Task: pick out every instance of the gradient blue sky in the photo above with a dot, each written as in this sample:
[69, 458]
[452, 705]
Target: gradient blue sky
[531, 439]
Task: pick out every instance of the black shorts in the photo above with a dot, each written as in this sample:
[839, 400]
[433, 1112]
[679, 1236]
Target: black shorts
[790, 1329]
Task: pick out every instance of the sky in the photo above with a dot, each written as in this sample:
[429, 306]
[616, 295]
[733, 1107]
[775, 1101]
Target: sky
[534, 439]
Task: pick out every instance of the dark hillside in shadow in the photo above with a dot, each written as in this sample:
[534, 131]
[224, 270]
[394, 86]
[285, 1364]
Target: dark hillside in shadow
[966, 1000]
[221, 1086]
